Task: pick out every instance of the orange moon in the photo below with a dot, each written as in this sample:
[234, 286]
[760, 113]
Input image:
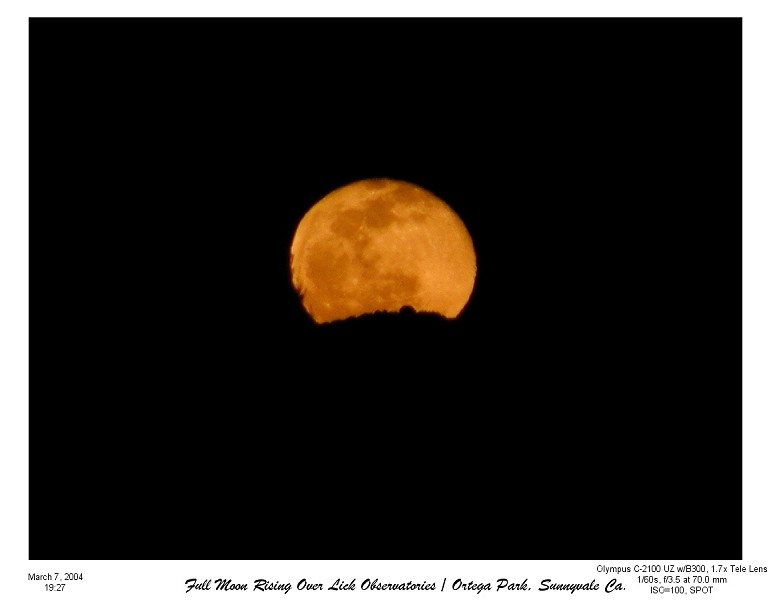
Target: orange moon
[378, 245]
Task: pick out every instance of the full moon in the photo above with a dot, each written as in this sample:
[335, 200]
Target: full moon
[378, 245]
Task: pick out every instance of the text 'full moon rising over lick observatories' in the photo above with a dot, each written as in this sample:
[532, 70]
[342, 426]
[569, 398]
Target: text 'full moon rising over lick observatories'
[378, 245]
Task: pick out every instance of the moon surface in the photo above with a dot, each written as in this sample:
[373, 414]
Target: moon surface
[378, 245]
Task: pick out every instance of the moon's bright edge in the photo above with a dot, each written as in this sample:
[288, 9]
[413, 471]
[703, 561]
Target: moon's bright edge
[378, 245]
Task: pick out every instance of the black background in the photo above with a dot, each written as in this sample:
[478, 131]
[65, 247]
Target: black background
[586, 403]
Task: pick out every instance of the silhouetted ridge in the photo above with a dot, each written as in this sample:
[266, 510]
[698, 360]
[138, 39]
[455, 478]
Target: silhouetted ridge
[407, 317]
[397, 355]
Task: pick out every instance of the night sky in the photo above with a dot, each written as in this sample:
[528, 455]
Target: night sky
[587, 401]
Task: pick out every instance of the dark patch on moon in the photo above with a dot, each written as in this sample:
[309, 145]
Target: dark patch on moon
[375, 184]
[408, 195]
[378, 212]
[347, 223]
[394, 285]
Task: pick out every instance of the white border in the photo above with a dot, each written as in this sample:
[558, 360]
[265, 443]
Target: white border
[164, 580]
